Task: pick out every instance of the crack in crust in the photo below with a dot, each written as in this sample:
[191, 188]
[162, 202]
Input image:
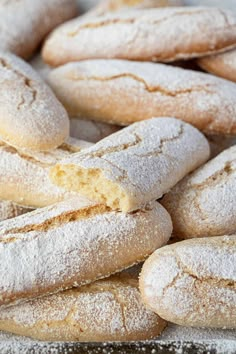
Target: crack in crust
[162, 144]
[56, 221]
[118, 148]
[147, 87]
[115, 21]
[11, 150]
[29, 84]
[225, 283]
[217, 177]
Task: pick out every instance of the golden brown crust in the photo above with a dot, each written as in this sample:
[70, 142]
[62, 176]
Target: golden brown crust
[202, 204]
[223, 65]
[138, 164]
[123, 92]
[31, 117]
[107, 310]
[147, 35]
[193, 283]
[73, 243]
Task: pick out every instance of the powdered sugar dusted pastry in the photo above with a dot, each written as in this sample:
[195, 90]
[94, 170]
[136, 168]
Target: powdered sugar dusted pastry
[148, 35]
[193, 283]
[10, 210]
[219, 143]
[73, 243]
[89, 130]
[123, 92]
[223, 65]
[138, 164]
[25, 23]
[24, 177]
[203, 204]
[117, 5]
[109, 309]
[30, 115]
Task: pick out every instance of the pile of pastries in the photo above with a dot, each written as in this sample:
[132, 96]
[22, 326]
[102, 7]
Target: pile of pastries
[116, 148]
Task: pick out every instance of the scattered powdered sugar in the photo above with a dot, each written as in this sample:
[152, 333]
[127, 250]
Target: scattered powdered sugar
[203, 203]
[143, 160]
[175, 337]
[109, 308]
[193, 282]
[149, 34]
[52, 248]
[31, 115]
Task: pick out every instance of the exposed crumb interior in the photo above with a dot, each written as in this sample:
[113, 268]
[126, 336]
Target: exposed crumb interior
[92, 184]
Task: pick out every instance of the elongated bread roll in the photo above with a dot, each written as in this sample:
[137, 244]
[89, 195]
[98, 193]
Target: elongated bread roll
[193, 283]
[107, 310]
[203, 204]
[89, 130]
[24, 177]
[223, 65]
[25, 23]
[123, 92]
[10, 210]
[73, 243]
[116, 5]
[148, 35]
[30, 115]
[138, 164]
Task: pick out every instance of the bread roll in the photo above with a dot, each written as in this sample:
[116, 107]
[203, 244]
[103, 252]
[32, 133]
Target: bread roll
[107, 310]
[10, 210]
[25, 23]
[30, 115]
[123, 92]
[116, 5]
[203, 204]
[72, 243]
[223, 65]
[138, 164]
[193, 283]
[24, 177]
[219, 143]
[148, 35]
[89, 130]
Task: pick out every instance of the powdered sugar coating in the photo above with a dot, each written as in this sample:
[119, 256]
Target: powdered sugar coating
[72, 243]
[203, 204]
[193, 282]
[105, 310]
[25, 23]
[30, 115]
[123, 92]
[24, 176]
[148, 35]
[145, 160]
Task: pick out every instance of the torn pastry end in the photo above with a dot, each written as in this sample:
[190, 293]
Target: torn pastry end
[92, 184]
